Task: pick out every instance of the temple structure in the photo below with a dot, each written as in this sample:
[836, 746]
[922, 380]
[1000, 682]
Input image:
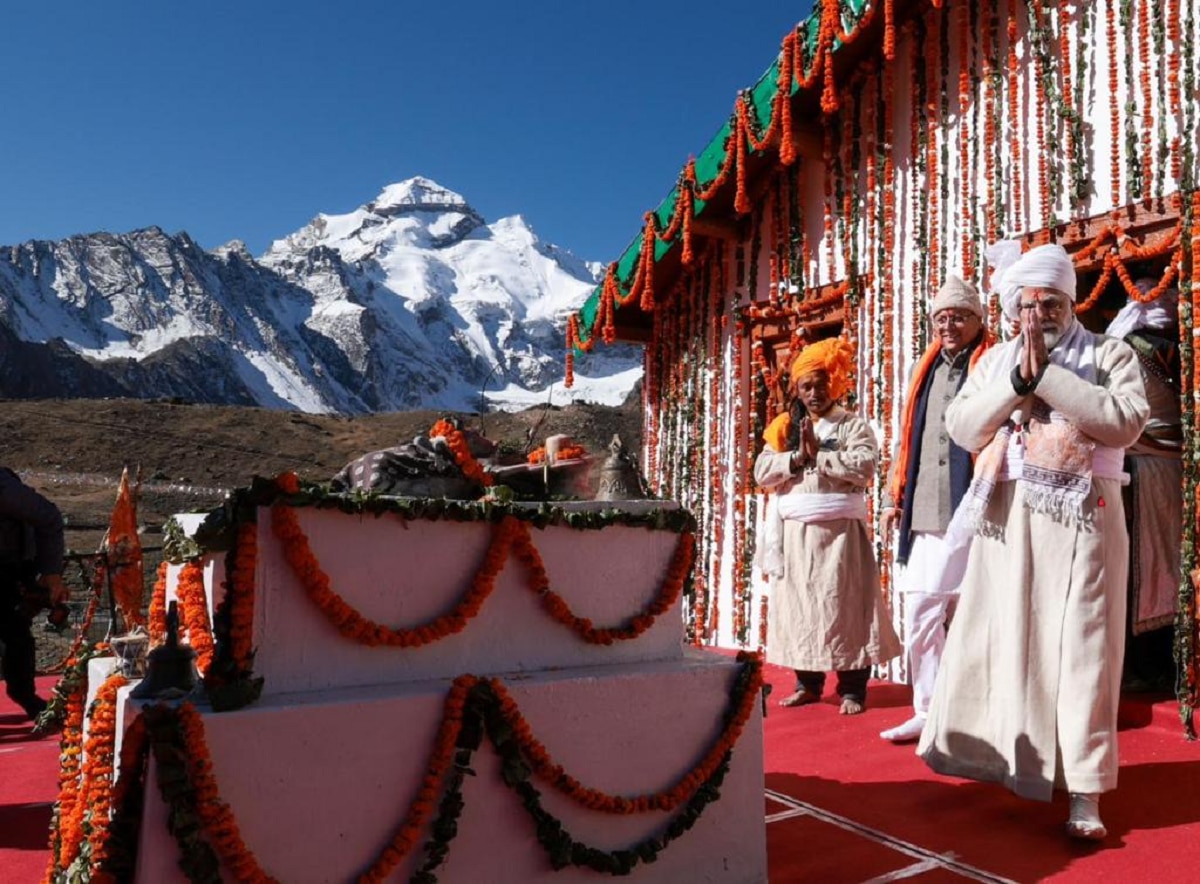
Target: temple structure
[890, 142]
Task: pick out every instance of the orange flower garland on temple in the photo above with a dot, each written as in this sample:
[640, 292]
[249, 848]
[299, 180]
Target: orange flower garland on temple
[67, 834]
[98, 768]
[241, 605]
[193, 613]
[1147, 99]
[1113, 104]
[666, 800]
[156, 618]
[510, 535]
[219, 823]
[422, 805]
[1174, 34]
[1014, 114]
[215, 815]
[462, 453]
[133, 754]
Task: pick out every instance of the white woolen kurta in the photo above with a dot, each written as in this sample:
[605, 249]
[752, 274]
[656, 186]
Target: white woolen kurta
[1031, 675]
[826, 613]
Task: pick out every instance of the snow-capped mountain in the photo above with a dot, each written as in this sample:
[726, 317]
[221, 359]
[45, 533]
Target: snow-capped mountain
[411, 301]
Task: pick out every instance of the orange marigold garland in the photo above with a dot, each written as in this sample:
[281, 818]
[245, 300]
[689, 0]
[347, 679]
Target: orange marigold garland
[509, 535]
[66, 831]
[556, 606]
[215, 815]
[114, 858]
[666, 800]
[566, 452]
[462, 452]
[98, 770]
[157, 617]
[440, 758]
[193, 613]
[241, 585]
[285, 525]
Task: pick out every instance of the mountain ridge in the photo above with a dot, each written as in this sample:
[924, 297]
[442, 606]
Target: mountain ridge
[411, 301]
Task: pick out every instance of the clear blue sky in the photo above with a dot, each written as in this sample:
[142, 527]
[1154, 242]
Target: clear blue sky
[244, 120]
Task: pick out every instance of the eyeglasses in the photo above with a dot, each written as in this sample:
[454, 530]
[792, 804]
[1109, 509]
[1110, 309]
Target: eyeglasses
[1045, 305]
[946, 319]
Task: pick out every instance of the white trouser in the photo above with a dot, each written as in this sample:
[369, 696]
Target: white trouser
[926, 616]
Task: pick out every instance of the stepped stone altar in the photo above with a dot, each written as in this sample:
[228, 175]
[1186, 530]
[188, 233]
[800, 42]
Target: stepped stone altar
[570, 615]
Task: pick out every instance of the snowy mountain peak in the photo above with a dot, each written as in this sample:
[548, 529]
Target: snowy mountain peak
[410, 301]
[418, 194]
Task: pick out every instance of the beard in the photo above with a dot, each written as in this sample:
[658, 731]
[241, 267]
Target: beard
[1051, 336]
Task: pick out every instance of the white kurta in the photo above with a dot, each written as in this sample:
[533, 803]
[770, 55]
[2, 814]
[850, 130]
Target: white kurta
[826, 612]
[1028, 688]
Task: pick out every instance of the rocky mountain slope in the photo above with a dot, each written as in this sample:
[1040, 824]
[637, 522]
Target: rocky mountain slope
[412, 301]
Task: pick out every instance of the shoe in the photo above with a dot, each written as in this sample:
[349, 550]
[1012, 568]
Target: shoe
[1084, 822]
[799, 698]
[33, 708]
[851, 707]
[905, 733]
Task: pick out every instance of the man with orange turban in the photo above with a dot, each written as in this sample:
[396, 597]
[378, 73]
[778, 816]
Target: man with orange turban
[827, 613]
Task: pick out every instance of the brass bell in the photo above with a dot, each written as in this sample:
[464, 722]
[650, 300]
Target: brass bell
[171, 667]
[619, 476]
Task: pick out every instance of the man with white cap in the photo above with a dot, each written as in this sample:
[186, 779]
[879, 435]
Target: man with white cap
[1028, 688]
[930, 475]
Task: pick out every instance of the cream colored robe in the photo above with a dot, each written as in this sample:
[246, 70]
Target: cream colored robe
[826, 613]
[1028, 688]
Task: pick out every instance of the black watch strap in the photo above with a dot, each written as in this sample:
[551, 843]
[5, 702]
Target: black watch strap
[1021, 386]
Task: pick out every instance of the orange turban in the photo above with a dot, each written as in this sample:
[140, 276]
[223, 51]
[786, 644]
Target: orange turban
[832, 356]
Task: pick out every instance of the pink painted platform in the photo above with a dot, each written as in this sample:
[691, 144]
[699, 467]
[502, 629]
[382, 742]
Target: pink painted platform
[321, 770]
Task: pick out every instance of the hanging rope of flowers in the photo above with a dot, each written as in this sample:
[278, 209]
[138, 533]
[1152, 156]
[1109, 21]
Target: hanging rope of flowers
[156, 617]
[193, 613]
[509, 537]
[207, 831]
[466, 461]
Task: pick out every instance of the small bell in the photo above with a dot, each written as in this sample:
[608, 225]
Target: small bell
[619, 477]
[171, 667]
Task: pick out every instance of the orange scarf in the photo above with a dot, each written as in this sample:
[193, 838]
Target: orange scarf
[928, 360]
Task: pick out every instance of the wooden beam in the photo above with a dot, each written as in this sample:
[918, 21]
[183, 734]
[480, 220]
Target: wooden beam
[716, 228]
[1146, 225]
[808, 142]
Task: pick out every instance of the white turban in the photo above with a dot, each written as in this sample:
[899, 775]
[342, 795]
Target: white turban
[1046, 266]
[1162, 313]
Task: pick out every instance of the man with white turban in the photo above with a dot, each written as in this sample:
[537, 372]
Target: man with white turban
[1028, 688]
[827, 612]
[1154, 499]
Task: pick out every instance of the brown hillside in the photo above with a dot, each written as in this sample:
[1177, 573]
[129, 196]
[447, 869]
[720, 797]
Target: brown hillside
[190, 455]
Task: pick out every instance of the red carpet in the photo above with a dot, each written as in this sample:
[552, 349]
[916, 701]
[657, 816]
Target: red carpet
[28, 787]
[842, 805]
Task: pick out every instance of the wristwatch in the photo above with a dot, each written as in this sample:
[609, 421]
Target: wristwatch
[1021, 386]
